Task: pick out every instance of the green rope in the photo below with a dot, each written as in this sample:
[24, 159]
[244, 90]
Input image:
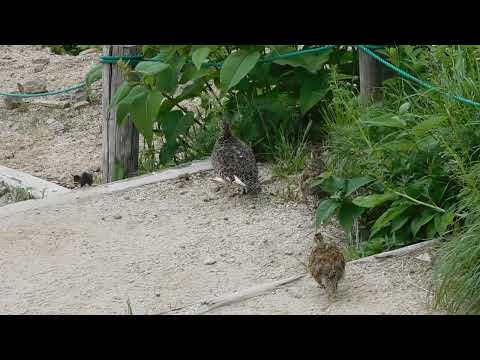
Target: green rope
[57, 92]
[110, 59]
[408, 76]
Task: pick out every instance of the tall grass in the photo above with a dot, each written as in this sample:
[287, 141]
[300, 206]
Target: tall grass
[436, 156]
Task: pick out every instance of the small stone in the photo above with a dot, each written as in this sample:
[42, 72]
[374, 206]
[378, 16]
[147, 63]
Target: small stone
[79, 95]
[88, 51]
[117, 217]
[12, 102]
[209, 262]
[41, 61]
[157, 294]
[411, 272]
[424, 257]
[38, 68]
[225, 218]
[32, 87]
[10, 156]
[80, 104]
[183, 192]
[53, 104]
[251, 207]
[288, 252]
[126, 197]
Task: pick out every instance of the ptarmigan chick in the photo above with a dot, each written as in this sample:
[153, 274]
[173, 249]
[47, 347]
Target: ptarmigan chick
[327, 265]
[234, 161]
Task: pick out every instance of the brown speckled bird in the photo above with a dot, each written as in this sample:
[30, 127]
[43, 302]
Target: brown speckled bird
[234, 161]
[312, 171]
[327, 265]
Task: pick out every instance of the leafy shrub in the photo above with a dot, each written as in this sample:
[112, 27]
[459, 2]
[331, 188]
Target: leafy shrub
[271, 102]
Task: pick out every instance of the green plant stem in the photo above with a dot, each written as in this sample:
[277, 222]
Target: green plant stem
[420, 202]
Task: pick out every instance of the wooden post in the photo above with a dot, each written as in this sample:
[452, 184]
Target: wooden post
[371, 78]
[120, 144]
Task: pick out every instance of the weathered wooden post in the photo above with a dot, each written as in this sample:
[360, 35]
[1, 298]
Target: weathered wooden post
[120, 144]
[371, 78]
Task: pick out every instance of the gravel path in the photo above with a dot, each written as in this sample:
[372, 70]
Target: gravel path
[180, 242]
[53, 144]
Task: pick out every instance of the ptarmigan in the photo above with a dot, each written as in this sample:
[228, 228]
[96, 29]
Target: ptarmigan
[234, 161]
[327, 265]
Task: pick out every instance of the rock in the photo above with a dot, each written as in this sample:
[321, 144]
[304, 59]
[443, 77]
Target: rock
[41, 61]
[12, 102]
[288, 252]
[9, 156]
[80, 104]
[79, 95]
[32, 87]
[38, 68]
[183, 192]
[126, 197]
[424, 257]
[53, 104]
[88, 51]
[209, 261]
[117, 217]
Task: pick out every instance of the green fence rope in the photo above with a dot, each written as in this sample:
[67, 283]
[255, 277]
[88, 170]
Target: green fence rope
[106, 59]
[51, 93]
[408, 76]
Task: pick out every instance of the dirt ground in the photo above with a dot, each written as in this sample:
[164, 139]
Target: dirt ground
[53, 144]
[179, 242]
[164, 245]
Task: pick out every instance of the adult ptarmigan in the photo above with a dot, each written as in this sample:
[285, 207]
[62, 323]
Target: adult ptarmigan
[234, 161]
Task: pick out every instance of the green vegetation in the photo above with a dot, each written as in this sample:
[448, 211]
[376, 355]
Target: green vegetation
[407, 169]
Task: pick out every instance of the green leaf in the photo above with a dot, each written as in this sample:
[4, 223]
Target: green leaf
[332, 184]
[404, 108]
[191, 73]
[371, 201]
[356, 183]
[122, 91]
[393, 122]
[199, 56]
[433, 122]
[443, 221]
[236, 67]
[389, 215]
[94, 74]
[313, 90]
[125, 100]
[312, 63]
[151, 68]
[166, 80]
[347, 214]
[398, 223]
[144, 109]
[118, 171]
[425, 216]
[173, 124]
[325, 211]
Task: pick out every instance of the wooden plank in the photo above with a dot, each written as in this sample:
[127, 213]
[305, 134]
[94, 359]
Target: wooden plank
[119, 143]
[39, 188]
[58, 198]
[242, 295]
